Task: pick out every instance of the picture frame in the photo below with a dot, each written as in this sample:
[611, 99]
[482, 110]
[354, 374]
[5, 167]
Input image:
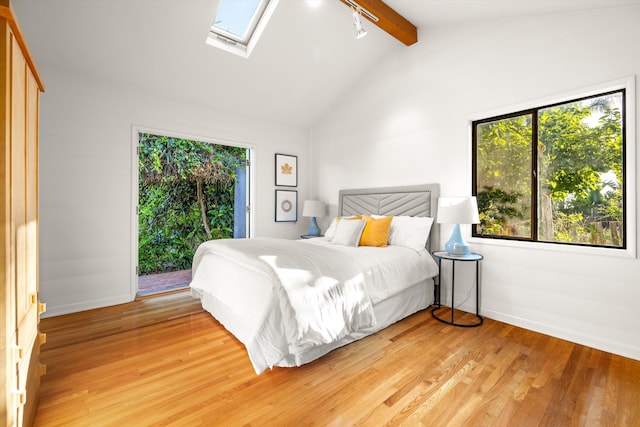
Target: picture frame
[286, 168]
[286, 206]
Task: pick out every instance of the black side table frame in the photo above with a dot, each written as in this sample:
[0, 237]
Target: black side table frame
[472, 257]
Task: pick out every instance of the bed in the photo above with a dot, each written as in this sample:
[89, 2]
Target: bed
[292, 301]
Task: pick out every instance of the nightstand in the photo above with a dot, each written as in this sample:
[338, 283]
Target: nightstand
[472, 257]
[309, 236]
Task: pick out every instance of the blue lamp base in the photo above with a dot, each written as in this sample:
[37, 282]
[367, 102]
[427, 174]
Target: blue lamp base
[456, 244]
[314, 230]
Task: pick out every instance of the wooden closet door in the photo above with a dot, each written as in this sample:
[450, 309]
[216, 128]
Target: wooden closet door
[24, 194]
[20, 88]
[19, 234]
[26, 96]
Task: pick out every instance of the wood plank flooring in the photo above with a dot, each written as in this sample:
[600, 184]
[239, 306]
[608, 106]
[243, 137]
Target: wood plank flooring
[163, 361]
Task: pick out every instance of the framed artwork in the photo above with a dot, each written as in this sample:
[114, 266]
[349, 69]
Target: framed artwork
[286, 206]
[286, 170]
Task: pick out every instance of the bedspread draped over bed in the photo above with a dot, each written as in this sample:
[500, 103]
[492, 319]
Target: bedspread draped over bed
[280, 297]
[326, 306]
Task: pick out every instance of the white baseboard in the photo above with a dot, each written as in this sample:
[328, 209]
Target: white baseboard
[615, 347]
[53, 310]
[600, 343]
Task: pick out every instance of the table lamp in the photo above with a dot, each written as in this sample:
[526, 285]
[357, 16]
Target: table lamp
[313, 209]
[457, 210]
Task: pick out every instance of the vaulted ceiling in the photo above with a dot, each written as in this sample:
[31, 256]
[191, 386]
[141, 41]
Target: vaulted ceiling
[305, 61]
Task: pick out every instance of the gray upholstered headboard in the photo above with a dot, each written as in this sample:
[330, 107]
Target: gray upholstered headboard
[412, 200]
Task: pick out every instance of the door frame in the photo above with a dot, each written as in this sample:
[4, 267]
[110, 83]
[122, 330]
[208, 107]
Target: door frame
[135, 141]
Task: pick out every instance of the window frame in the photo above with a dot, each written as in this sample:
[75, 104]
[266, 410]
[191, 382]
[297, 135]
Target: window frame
[627, 87]
[249, 30]
[243, 46]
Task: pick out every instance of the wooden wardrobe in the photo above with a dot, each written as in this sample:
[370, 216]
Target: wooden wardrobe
[20, 309]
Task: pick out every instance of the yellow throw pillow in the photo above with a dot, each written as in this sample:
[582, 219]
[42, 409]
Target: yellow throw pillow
[376, 231]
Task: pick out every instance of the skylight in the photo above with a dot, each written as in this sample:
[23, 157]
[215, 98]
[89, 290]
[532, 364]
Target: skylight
[238, 24]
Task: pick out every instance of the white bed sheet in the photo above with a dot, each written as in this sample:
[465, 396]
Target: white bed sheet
[251, 304]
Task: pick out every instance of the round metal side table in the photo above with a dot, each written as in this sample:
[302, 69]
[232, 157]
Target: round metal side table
[472, 257]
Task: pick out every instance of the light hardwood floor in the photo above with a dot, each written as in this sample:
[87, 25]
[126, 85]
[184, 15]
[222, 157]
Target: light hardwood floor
[163, 361]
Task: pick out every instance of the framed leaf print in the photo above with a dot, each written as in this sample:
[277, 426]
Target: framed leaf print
[286, 170]
[286, 206]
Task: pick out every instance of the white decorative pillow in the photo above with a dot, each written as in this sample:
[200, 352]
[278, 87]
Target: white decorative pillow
[331, 231]
[410, 231]
[348, 232]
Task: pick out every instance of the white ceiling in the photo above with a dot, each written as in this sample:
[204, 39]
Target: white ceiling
[304, 62]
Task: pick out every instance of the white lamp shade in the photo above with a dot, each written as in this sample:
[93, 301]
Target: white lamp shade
[458, 210]
[313, 208]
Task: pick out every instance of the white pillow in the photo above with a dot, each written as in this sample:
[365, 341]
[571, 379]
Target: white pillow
[348, 232]
[331, 231]
[410, 231]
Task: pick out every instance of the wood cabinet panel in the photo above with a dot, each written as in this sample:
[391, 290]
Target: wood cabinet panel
[7, 295]
[32, 108]
[18, 177]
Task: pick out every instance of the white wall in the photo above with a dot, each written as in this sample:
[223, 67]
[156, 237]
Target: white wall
[87, 179]
[407, 122]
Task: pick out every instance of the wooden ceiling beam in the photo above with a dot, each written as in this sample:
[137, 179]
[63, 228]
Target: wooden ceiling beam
[388, 19]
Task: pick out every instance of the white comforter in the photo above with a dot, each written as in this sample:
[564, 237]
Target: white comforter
[281, 296]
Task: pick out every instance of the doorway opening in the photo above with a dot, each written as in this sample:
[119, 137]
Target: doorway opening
[189, 191]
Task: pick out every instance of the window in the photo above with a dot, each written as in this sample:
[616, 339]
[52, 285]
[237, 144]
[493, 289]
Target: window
[554, 173]
[238, 24]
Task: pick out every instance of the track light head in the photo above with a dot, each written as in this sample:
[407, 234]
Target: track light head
[360, 32]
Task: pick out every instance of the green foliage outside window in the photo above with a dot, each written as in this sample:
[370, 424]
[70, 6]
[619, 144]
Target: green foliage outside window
[185, 197]
[578, 175]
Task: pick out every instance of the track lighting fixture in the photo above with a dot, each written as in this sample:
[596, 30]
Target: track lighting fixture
[360, 32]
